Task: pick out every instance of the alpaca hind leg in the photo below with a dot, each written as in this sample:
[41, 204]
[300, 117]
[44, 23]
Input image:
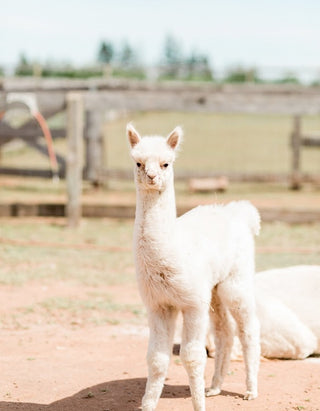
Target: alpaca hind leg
[240, 300]
[223, 337]
[193, 353]
[161, 325]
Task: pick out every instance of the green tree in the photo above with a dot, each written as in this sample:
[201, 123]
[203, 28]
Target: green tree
[105, 53]
[288, 78]
[24, 67]
[242, 75]
[172, 51]
[128, 65]
[198, 67]
[127, 56]
[172, 56]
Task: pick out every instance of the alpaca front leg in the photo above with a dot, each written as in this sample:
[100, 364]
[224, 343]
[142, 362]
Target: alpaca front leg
[161, 325]
[193, 353]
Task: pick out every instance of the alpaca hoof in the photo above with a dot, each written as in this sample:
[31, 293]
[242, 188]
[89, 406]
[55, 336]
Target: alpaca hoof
[210, 392]
[148, 406]
[250, 395]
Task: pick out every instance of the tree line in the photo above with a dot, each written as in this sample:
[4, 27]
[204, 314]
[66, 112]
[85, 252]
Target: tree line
[124, 61]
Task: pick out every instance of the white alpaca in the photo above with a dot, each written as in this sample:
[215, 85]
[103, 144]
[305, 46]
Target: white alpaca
[288, 308]
[201, 264]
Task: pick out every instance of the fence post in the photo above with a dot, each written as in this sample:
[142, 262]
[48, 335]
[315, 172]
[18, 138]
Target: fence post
[75, 124]
[296, 146]
[94, 146]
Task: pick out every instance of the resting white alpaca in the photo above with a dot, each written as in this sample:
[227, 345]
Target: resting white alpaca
[204, 258]
[288, 307]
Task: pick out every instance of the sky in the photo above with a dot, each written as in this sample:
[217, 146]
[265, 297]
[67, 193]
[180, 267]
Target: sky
[269, 34]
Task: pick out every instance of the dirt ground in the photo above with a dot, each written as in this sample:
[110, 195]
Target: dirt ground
[70, 365]
[57, 360]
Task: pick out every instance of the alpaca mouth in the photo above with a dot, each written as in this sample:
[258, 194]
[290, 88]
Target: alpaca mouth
[152, 181]
[153, 185]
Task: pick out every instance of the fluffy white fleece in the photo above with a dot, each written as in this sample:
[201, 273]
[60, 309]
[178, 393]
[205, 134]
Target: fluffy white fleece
[288, 308]
[200, 263]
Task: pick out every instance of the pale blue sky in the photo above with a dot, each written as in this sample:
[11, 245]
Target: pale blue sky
[280, 33]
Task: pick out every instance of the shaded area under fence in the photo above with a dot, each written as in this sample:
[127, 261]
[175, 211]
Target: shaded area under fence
[269, 214]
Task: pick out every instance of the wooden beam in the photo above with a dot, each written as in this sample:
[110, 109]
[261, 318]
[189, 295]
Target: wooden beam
[4, 140]
[27, 132]
[296, 145]
[183, 175]
[75, 126]
[310, 141]
[94, 145]
[29, 172]
[128, 211]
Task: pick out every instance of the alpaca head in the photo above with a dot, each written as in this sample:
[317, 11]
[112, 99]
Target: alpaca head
[153, 157]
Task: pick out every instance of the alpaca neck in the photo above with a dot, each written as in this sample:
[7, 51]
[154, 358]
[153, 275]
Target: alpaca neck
[156, 210]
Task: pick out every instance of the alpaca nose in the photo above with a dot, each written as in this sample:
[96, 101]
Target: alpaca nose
[151, 174]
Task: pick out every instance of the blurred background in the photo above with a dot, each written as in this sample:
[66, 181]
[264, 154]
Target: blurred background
[233, 75]
[241, 78]
[220, 41]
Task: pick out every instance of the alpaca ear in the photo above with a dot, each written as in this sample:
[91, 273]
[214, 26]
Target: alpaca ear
[174, 138]
[133, 136]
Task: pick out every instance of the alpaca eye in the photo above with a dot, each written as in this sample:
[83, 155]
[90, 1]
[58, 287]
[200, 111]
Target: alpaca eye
[138, 164]
[165, 165]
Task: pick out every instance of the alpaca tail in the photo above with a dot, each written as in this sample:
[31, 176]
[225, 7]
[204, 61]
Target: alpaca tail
[247, 211]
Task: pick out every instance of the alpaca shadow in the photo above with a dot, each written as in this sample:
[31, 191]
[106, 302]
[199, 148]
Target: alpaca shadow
[116, 395]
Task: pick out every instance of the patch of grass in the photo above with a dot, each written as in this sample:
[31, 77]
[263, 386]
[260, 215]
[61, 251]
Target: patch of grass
[97, 310]
[219, 142]
[91, 267]
[281, 235]
[111, 321]
[60, 261]
[216, 142]
[28, 263]
[74, 305]
[21, 264]
[278, 260]
[101, 303]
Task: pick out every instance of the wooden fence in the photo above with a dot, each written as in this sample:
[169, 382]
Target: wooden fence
[298, 141]
[101, 96]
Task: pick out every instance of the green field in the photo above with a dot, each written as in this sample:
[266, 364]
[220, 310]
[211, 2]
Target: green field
[99, 252]
[87, 276]
[97, 257]
[219, 142]
[213, 142]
